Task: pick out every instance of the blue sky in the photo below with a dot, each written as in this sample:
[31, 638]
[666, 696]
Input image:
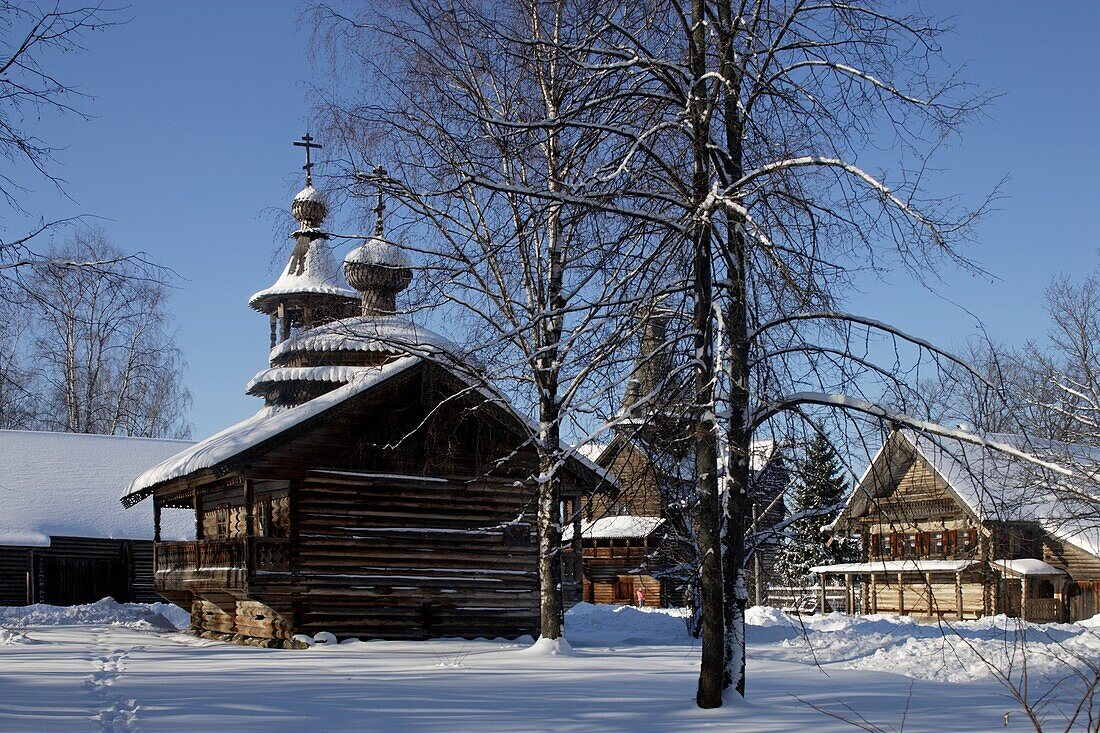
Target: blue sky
[196, 104]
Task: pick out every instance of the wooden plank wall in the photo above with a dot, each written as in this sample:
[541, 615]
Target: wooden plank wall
[413, 559]
[13, 576]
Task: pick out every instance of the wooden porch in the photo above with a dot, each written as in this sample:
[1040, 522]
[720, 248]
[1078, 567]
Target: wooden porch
[222, 563]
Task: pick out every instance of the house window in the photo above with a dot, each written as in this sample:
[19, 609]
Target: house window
[909, 549]
[885, 549]
[937, 545]
[221, 522]
[968, 540]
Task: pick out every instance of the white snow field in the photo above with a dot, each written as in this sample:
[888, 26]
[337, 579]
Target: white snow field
[124, 667]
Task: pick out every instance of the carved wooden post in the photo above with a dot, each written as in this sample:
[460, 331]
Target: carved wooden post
[249, 559]
[901, 594]
[578, 549]
[156, 519]
[928, 589]
[959, 596]
[874, 593]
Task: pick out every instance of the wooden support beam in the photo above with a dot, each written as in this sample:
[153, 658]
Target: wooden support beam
[196, 502]
[1023, 597]
[874, 593]
[928, 590]
[249, 497]
[578, 550]
[824, 605]
[849, 601]
[901, 594]
[757, 565]
[156, 519]
[958, 596]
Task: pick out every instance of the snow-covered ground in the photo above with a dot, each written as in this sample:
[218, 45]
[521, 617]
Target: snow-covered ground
[123, 667]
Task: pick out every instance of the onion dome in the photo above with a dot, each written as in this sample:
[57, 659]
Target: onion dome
[309, 208]
[309, 291]
[379, 270]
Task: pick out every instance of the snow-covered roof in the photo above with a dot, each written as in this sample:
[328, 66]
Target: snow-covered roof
[67, 484]
[378, 251]
[335, 374]
[390, 334]
[264, 425]
[761, 453]
[271, 421]
[318, 276]
[1044, 482]
[620, 527]
[592, 451]
[1027, 566]
[896, 566]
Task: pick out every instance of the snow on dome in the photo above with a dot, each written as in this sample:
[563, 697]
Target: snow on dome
[309, 193]
[392, 334]
[67, 484]
[319, 275]
[378, 251]
[251, 432]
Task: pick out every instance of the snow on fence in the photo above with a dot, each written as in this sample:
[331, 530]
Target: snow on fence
[807, 598]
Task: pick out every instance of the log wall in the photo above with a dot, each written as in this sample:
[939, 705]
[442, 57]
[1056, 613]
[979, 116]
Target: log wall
[414, 559]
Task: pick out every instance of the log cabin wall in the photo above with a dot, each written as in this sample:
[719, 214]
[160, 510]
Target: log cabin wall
[415, 558]
[407, 516]
[75, 570]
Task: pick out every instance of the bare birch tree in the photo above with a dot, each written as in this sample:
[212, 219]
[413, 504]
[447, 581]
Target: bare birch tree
[494, 132]
[774, 103]
[105, 359]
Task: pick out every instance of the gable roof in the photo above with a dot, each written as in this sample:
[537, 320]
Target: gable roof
[251, 432]
[270, 422]
[66, 485]
[994, 486]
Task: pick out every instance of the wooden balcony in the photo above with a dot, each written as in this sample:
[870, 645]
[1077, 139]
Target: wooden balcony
[218, 564]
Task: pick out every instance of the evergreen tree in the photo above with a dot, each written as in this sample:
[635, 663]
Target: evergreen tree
[820, 489]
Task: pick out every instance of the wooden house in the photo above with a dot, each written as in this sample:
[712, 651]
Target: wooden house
[631, 535]
[384, 491]
[63, 539]
[953, 530]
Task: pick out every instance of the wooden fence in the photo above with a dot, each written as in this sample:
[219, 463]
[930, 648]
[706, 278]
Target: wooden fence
[807, 599]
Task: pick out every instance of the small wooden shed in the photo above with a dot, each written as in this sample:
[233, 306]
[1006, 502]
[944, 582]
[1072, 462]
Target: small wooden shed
[63, 539]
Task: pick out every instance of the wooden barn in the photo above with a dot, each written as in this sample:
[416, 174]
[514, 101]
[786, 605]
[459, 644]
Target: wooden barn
[952, 530]
[382, 492]
[63, 539]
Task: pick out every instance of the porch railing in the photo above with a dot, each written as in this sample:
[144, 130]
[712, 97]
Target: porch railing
[269, 554]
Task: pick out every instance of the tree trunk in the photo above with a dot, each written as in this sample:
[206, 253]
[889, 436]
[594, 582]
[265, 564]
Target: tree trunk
[738, 502]
[709, 522]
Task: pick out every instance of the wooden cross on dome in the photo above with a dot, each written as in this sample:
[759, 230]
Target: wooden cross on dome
[307, 143]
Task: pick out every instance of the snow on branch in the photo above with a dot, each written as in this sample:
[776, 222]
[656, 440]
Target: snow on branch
[846, 402]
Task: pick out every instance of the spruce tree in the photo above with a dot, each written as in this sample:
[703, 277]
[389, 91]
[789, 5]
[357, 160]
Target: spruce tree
[819, 490]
